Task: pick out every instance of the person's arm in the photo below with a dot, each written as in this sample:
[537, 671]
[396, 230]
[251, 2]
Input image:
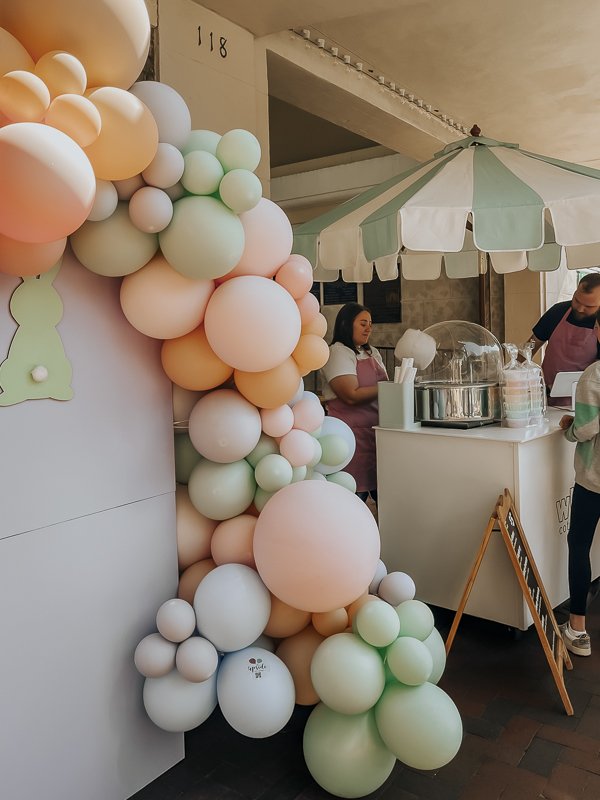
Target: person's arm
[586, 423]
[347, 389]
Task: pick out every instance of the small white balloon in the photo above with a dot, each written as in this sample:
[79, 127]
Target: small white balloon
[396, 587]
[177, 705]
[154, 656]
[176, 620]
[166, 168]
[380, 573]
[196, 659]
[105, 201]
[150, 209]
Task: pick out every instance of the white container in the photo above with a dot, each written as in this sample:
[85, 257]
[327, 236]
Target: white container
[396, 405]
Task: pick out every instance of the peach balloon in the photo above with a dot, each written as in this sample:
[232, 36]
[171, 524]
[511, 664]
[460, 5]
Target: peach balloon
[111, 38]
[285, 620]
[76, 116]
[190, 578]
[317, 325]
[252, 323]
[128, 139]
[329, 622]
[23, 96]
[316, 545]
[163, 303]
[311, 352]
[190, 363]
[62, 73]
[297, 653]
[27, 258]
[296, 275]
[298, 447]
[277, 421]
[232, 539]
[308, 413]
[12, 54]
[128, 186]
[308, 306]
[271, 388]
[194, 530]
[48, 184]
[268, 241]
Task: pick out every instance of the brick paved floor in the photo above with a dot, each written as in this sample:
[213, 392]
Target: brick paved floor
[518, 742]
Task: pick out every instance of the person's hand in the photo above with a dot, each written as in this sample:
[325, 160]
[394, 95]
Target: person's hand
[565, 422]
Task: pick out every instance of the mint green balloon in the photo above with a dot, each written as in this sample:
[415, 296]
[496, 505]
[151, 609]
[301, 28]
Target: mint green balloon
[437, 648]
[317, 456]
[266, 444]
[298, 474]
[261, 498]
[416, 619]
[377, 623]
[273, 472]
[202, 140]
[202, 172]
[240, 190]
[221, 491]
[343, 479]
[204, 239]
[345, 754]
[186, 457]
[334, 450]
[409, 660]
[419, 724]
[347, 673]
[238, 149]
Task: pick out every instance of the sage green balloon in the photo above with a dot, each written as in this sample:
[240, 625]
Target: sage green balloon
[343, 479]
[186, 457]
[409, 660]
[419, 724]
[238, 149]
[202, 140]
[334, 450]
[377, 623]
[265, 445]
[273, 472]
[437, 648]
[345, 754]
[221, 491]
[260, 498]
[240, 190]
[298, 474]
[202, 172]
[416, 619]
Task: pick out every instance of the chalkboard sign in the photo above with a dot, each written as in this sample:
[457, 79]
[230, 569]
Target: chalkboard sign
[506, 520]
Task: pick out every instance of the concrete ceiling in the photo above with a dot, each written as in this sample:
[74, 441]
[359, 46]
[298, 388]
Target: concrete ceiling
[525, 71]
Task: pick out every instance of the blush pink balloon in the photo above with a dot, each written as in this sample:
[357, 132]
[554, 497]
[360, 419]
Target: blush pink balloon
[316, 546]
[224, 426]
[308, 306]
[298, 447]
[308, 414]
[252, 324]
[277, 421]
[162, 303]
[232, 541]
[296, 275]
[268, 242]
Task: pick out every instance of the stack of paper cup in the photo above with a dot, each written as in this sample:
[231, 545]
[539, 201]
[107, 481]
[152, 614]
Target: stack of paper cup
[516, 402]
[537, 395]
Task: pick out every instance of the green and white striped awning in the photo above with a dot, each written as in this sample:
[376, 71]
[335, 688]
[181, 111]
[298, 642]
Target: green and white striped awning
[477, 194]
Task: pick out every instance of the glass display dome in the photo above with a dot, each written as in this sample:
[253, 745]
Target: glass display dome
[466, 353]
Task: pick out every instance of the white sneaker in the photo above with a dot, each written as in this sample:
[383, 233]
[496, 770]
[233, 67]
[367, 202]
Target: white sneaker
[579, 645]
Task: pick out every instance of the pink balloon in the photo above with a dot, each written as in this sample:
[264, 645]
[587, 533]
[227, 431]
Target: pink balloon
[296, 275]
[308, 414]
[269, 239]
[163, 303]
[48, 184]
[252, 324]
[232, 541]
[298, 447]
[277, 421]
[316, 546]
[224, 426]
[26, 258]
[308, 306]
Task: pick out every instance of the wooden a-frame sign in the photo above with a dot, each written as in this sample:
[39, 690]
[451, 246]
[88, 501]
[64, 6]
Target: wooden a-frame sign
[506, 520]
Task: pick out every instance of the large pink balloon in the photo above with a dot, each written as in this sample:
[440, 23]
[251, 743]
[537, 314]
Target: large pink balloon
[48, 185]
[316, 546]
[269, 239]
[252, 324]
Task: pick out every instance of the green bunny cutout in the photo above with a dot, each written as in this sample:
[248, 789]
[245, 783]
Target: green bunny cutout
[36, 366]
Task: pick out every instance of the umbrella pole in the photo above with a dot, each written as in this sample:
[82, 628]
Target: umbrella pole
[485, 311]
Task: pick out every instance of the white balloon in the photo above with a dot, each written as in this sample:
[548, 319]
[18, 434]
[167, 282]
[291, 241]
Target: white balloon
[168, 108]
[232, 606]
[154, 656]
[166, 168]
[150, 209]
[175, 620]
[396, 587]
[196, 659]
[380, 573]
[105, 201]
[299, 394]
[256, 692]
[337, 427]
[224, 426]
[177, 705]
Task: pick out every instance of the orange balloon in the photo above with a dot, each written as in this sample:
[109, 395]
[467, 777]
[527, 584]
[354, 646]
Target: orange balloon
[27, 258]
[329, 622]
[232, 540]
[308, 306]
[23, 96]
[272, 388]
[317, 325]
[297, 652]
[76, 116]
[354, 607]
[62, 73]
[194, 530]
[12, 54]
[128, 139]
[311, 353]
[190, 363]
[191, 577]
[285, 620]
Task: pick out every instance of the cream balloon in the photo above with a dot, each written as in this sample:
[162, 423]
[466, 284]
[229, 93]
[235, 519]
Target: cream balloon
[127, 187]
[150, 209]
[75, 116]
[166, 168]
[168, 108]
[224, 426]
[62, 73]
[105, 201]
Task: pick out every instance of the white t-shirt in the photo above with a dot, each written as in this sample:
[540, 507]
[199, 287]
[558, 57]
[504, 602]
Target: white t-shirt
[342, 361]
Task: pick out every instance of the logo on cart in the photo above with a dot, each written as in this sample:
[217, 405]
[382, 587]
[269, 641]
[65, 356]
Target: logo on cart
[563, 511]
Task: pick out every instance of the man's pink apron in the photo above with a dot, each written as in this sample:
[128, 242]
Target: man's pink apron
[361, 419]
[569, 349]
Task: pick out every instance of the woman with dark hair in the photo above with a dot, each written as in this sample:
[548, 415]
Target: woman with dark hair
[352, 373]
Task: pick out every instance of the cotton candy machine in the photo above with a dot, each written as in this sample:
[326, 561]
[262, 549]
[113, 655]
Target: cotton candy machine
[460, 387]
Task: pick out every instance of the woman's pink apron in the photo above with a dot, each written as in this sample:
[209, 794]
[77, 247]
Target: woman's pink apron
[361, 419]
[569, 349]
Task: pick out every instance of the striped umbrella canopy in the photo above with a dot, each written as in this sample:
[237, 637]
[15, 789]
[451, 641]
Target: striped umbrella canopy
[476, 195]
